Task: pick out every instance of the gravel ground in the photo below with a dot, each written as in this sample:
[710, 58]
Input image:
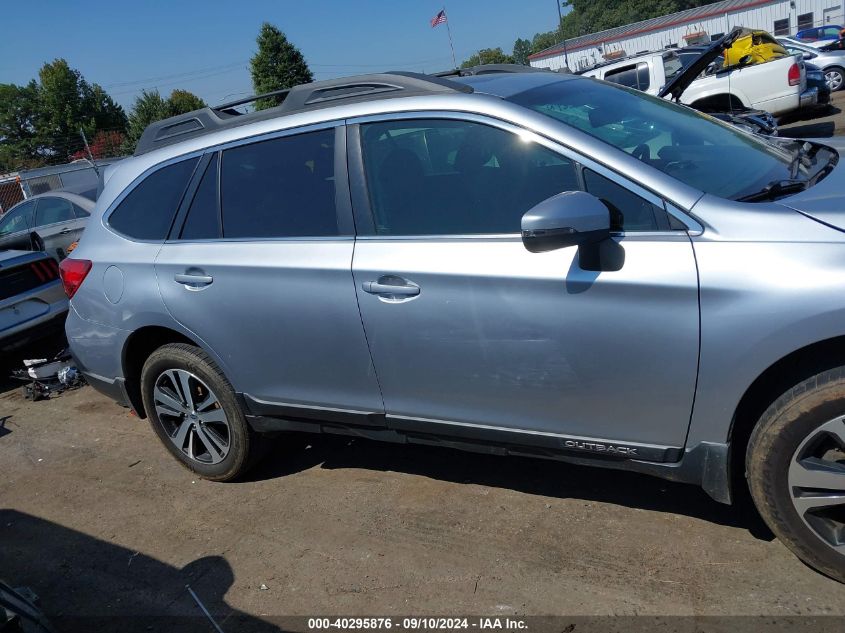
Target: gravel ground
[818, 123]
[99, 520]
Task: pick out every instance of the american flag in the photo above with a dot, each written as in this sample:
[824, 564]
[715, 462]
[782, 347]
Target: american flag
[440, 18]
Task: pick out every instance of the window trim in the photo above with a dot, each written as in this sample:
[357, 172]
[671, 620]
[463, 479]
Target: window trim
[343, 203]
[365, 219]
[104, 219]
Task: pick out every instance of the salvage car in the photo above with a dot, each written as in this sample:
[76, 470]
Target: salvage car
[33, 303]
[832, 62]
[52, 220]
[698, 78]
[522, 263]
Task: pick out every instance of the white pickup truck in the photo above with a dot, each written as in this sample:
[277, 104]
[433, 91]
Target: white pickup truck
[777, 86]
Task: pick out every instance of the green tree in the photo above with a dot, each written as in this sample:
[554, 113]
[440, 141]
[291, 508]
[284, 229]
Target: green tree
[150, 107]
[147, 108]
[276, 65]
[521, 51]
[21, 146]
[40, 122]
[182, 101]
[591, 16]
[488, 56]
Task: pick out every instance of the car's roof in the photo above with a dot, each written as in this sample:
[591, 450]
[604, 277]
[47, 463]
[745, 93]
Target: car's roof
[85, 203]
[507, 85]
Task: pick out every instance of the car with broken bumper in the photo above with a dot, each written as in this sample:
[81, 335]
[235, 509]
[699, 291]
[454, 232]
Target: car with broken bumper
[520, 263]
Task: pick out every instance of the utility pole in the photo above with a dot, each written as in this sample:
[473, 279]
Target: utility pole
[560, 30]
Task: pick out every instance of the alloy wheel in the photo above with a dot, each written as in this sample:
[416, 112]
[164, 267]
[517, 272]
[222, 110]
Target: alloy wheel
[834, 80]
[192, 416]
[817, 482]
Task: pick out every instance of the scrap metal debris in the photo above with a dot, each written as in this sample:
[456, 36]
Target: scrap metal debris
[48, 376]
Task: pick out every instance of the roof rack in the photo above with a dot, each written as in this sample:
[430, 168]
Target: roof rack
[310, 96]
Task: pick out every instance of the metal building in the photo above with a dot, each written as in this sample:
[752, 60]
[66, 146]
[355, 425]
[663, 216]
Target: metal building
[693, 26]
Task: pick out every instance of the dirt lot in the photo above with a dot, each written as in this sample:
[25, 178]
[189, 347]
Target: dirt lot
[99, 520]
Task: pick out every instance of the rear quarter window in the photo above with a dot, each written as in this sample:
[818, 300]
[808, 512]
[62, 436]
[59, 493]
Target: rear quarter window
[147, 212]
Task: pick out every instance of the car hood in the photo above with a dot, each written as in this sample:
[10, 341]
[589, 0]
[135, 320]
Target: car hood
[683, 79]
[824, 201]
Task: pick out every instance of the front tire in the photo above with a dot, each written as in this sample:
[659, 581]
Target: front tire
[193, 410]
[795, 466]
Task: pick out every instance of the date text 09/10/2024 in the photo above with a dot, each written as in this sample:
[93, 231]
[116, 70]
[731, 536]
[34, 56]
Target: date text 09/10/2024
[416, 624]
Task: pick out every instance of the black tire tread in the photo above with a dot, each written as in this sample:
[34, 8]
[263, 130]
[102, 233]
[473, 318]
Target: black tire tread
[761, 472]
[197, 358]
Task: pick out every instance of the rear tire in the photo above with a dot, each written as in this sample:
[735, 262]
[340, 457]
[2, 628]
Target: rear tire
[795, 466]
[835, 78]
[193, 410]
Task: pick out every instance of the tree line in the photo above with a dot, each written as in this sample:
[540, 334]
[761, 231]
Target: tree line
[43, 122]
[40, 122]
[586, 16]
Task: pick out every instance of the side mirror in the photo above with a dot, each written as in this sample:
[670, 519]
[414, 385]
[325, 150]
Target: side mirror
[745, 60]
[571, 218]
[806, 56]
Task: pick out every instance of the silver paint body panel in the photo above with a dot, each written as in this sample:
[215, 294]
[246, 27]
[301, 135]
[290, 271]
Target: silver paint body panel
[497, 336]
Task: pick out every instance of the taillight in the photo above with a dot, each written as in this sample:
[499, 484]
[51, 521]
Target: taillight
[794, 75]
[73, 272]
[45, 270]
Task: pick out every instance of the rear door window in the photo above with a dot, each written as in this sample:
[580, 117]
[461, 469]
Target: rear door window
[634, 76]
[147, 212]
[53, 211]
[284, 187]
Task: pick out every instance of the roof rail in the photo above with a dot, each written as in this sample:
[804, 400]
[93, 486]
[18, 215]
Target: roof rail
[310, 96]
[490, 69]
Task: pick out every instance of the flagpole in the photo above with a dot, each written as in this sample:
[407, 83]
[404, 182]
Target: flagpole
[449, 31]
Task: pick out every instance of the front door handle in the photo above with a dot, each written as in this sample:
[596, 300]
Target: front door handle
[193, 280]
[396, 290]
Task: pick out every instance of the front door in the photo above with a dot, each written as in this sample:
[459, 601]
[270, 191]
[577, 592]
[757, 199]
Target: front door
[468, 330]
[259, 268]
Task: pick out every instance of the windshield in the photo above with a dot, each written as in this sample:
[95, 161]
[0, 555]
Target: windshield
[692, 147]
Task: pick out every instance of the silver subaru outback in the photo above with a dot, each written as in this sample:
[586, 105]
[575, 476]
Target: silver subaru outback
[515, 262]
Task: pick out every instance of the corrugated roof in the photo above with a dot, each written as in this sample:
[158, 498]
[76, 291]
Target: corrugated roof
[648, 26]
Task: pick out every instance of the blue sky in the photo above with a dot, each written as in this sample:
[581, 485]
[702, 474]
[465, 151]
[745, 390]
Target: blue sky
[204, 46]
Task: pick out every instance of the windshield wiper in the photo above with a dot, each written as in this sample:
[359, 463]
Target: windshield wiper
[775, 189]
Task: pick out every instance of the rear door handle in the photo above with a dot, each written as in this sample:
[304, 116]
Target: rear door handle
[65, 231]
[193, 280]
[376, 288]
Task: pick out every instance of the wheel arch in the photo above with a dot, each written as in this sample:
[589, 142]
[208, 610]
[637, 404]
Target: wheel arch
[137, 349]
[720, 102]
[776, 379]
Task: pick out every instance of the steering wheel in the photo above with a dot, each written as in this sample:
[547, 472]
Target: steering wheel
[642, 152]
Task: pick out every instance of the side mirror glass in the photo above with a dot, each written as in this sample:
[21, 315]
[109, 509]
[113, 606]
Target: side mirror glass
[571, 218]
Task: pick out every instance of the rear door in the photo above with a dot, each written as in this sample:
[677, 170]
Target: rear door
[472, 334]
[258, 266]
[57, 224]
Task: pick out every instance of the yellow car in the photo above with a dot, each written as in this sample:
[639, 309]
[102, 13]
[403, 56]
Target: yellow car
[759, 45]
